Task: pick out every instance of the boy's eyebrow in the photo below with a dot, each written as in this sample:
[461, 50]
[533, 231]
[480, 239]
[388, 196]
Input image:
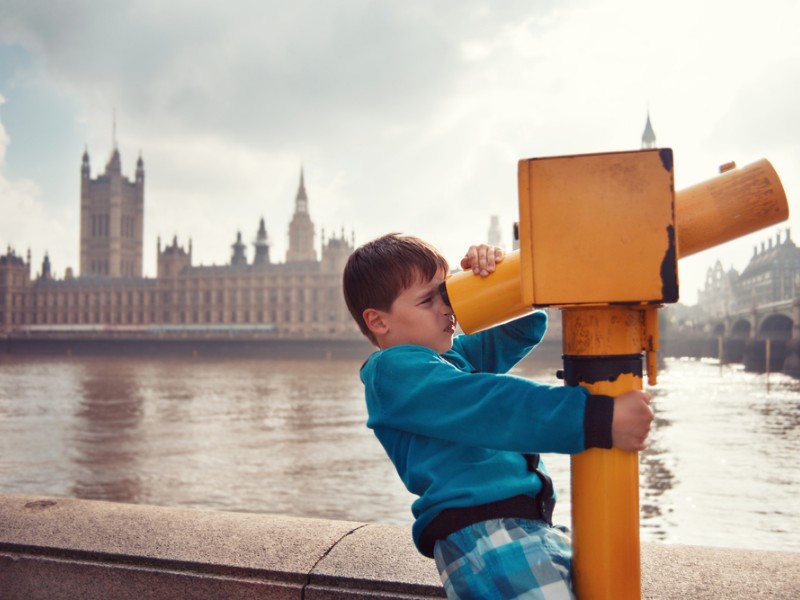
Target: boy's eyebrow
[429, 291]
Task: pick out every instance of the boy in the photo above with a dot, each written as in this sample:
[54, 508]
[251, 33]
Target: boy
[463, 435]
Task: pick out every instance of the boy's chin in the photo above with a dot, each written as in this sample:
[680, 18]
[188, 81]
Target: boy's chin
[445, 347]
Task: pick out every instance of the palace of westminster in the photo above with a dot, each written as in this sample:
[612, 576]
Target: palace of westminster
[300, 297]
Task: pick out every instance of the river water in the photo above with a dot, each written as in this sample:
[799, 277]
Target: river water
[288, 437]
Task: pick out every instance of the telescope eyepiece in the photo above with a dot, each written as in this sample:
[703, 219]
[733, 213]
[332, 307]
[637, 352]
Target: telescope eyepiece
[443, 293]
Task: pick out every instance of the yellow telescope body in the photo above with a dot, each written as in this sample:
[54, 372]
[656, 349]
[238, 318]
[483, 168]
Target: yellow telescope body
[607, 229]
[600, 236]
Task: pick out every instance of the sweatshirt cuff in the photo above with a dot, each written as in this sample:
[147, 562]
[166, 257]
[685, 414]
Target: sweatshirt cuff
[597, 421]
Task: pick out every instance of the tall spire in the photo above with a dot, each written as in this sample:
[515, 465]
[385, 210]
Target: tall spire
[301, 202]
[239, 258]
[262, 245]
[140, 169]
[114, 165]
[649, 136]
[301, 229]
[85, 168]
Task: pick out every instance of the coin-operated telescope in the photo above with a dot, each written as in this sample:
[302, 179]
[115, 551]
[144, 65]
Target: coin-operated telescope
[600, 236]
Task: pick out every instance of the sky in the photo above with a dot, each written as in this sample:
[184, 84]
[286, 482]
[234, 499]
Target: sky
[404, 116]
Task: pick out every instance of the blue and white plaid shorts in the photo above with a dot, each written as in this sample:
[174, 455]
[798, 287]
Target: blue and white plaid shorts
[506, 558]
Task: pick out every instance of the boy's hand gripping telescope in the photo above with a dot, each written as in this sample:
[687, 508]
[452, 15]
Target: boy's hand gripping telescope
[600, 236]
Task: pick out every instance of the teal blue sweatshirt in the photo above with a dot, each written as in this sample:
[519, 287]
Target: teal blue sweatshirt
[456, 425]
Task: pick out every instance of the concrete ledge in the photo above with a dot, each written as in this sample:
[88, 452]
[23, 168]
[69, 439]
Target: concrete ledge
[57, 548]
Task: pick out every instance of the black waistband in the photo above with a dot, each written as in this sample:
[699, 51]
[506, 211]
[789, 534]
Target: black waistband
[451, 520]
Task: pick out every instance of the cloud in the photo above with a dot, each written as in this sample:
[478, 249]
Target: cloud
[286, 73]
[407, 116]
[20, 205]
[357, 90]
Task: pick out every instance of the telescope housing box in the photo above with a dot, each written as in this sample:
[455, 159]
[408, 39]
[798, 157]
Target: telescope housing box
[598, 229]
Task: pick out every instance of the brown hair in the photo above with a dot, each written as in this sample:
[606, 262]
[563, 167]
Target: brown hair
[378, 271]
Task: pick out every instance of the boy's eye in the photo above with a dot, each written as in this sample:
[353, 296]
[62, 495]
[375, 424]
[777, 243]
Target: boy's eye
[426, 299]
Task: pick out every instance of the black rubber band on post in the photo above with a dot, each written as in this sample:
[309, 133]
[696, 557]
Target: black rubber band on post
[591, 369]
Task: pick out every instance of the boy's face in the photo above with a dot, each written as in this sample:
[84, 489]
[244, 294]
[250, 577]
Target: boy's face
[419, 316]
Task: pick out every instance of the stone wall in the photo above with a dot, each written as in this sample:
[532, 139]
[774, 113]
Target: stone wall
[59, 549]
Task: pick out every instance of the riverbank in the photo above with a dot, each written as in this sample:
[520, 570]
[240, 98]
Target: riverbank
[781, 356]
[60, 549]
[212, 345]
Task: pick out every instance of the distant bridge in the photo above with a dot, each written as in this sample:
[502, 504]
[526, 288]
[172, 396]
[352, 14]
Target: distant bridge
[775, 321]
[763, 338]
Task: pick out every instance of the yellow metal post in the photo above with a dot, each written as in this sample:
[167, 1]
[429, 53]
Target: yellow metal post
[606, 342]
[600, 236]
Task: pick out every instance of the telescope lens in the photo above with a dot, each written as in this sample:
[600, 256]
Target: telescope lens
[443, 292]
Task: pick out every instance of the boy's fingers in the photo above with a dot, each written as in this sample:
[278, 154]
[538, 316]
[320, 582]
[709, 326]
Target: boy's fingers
[470, 258]
[482, 259]
[487, 264]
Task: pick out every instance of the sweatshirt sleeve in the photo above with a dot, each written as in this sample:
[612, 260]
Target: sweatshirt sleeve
[412, 389]
[498, 349]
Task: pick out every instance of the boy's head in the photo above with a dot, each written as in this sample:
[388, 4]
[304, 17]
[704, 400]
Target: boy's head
[403, 270]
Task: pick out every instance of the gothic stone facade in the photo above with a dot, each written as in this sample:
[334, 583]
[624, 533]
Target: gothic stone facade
[112, 220]
[301, 297]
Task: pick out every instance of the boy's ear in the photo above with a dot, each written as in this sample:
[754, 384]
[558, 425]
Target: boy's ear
[375, 321]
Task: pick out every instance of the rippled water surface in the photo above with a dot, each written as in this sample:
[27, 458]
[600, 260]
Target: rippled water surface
[288, 437]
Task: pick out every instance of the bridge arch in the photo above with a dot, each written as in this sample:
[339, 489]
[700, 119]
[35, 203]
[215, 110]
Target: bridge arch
[741, 329]
[718, 329]
[776, 327]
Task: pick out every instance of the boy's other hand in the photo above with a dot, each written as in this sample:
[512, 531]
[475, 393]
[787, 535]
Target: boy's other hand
[631, 422]
[482, 259]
